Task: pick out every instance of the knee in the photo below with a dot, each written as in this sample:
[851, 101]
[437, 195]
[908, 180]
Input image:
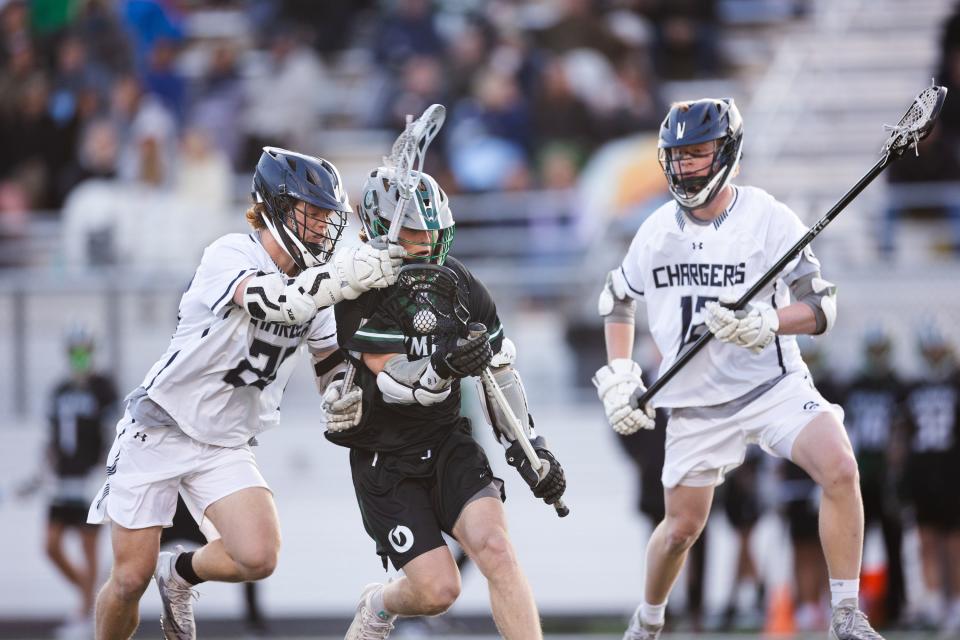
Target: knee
[681, 534]
[258, 563]
[495, 555]
[842, 475]
[439, 595]
[130, 581]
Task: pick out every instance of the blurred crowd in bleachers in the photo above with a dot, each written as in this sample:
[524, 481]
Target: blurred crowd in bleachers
[163, 105]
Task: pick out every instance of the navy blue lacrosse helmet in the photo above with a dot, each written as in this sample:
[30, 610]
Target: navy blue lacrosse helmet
[284, 177]
[689, 123]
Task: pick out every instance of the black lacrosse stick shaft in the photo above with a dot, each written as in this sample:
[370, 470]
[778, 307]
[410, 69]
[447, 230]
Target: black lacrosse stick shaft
[641, 400]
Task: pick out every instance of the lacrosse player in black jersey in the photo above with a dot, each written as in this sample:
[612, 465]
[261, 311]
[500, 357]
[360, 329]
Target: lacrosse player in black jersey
[417, 470]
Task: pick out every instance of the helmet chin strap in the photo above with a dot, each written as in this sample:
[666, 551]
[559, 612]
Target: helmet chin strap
[308, 259]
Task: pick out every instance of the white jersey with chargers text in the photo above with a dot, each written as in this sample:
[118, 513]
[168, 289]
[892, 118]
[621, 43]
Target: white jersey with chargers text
[223, 375]
[676, 264]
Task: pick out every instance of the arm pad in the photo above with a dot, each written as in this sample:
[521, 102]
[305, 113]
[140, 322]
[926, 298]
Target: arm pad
[326, 370]
[615, 303]
[273, 298]
[512, 387]
[819, 295]
[412, 382]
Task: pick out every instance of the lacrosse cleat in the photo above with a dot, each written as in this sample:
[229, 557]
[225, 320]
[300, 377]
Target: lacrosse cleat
[639, 630]
[369, 624]
[849, 623]
[177, 595]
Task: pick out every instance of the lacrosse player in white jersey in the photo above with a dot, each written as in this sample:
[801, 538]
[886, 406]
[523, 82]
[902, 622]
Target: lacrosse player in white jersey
[254, 301]
[749, 385]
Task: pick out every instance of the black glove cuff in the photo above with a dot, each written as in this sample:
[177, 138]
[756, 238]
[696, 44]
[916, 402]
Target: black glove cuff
[439, 363]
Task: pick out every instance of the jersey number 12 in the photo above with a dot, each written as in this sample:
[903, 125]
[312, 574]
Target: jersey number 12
[691, 306]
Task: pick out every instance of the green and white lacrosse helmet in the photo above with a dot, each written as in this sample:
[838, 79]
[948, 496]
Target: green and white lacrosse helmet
[428, 210]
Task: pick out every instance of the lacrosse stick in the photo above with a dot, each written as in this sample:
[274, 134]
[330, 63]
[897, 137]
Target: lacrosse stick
[410, 147]
[427, 303]
[914, 126]
[495, 394]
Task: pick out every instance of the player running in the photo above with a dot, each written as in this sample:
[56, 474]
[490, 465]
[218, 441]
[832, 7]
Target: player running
[254, 300]
[750, 384]
[417, 470]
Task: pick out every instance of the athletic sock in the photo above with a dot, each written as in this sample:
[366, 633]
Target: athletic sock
[377, 606]
[184, 567]
[841, 590]
[653, 614]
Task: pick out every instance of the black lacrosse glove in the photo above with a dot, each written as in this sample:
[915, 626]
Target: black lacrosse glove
[552, 486]
[469, 358]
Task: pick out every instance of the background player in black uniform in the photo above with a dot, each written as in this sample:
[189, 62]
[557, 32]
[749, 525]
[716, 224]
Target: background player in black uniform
[932, 406]
[417, 470]
[81, 406]
[872, 406]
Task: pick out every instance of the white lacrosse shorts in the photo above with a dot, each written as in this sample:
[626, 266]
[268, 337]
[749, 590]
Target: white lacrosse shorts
[147, 467]
[704, 443]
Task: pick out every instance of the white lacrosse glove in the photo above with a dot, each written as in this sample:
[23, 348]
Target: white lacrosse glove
[616, 384]
[416, 382]
[343, 411]
[368, 266]
[754, 327]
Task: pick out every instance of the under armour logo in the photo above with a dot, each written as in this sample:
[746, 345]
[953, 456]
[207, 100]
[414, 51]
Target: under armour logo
[811, 405]
[401, 538]
[142, 436]
[680, 127]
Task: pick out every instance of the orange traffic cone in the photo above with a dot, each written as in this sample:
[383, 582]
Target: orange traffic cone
[873, 591]
[780, 612]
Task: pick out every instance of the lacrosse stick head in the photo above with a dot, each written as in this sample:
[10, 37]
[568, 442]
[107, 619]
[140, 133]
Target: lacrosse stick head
[406, 159]
[428, 215]
[426, 302]
[917, 123]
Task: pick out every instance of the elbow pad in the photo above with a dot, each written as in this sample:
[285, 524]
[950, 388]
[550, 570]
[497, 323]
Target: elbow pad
[273, 298]
[511, 385]
[821, 296]
[614, 303]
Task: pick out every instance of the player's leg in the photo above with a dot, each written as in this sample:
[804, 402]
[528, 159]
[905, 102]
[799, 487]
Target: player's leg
[951, 622]
[482, 531]
[399, 515]
[54, 549]
[250, 538]
[823, 450]
[429, 586]
[228, 497]
[134, 559]
[88, 543]
[931, 561]
[687, 509]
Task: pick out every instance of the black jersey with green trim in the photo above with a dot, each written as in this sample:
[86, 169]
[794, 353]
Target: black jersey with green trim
[363, 326]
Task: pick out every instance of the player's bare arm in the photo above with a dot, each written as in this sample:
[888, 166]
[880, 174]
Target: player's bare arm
[620, 378]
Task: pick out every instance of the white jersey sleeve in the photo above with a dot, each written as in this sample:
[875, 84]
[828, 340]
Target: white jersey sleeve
[223, 375]
[323, 332]
[632, 268]
[225, 264]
